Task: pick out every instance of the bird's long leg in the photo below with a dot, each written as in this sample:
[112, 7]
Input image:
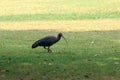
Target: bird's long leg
[49, 50]
[45, 47]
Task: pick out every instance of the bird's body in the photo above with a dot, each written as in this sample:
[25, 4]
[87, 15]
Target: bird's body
[47, 41]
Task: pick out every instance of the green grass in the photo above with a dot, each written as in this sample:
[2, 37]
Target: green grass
[69, 16]
[90, 55]
[31, 10]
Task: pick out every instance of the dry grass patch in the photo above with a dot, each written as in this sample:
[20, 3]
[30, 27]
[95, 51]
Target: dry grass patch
[80, 25]
[8, 7]
[35, 7]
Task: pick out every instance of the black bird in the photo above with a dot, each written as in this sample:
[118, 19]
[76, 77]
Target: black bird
[48, 41]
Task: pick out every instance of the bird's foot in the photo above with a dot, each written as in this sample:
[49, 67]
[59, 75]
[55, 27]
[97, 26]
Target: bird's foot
[49, 51]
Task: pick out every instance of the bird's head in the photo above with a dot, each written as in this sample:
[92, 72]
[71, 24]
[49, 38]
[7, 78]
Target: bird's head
[60, 35]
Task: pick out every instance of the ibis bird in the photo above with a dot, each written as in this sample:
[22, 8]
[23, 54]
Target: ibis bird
[48, 41]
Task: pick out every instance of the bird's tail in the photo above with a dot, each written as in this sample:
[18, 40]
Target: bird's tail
[35, 45]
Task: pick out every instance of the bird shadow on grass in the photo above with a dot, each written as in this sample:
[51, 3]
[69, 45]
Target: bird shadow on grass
[46, 52]
[42, 51]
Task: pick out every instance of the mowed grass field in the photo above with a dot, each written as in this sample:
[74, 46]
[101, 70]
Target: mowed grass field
[92, 28]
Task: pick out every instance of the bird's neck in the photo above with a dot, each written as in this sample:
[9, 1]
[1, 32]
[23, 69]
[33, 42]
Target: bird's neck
[59, 37]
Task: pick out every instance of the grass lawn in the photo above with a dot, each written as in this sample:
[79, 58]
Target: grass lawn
[31, 10]
[92, 28]
[92, 55]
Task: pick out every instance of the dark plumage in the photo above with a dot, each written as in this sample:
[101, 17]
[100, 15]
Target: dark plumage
[48, 41]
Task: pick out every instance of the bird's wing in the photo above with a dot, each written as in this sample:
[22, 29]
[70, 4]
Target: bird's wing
[47, 41]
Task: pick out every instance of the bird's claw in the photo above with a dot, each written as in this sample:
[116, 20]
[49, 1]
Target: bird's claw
[49, 51]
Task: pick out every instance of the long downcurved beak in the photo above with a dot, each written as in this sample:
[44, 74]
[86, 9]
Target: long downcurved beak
[65, 39]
